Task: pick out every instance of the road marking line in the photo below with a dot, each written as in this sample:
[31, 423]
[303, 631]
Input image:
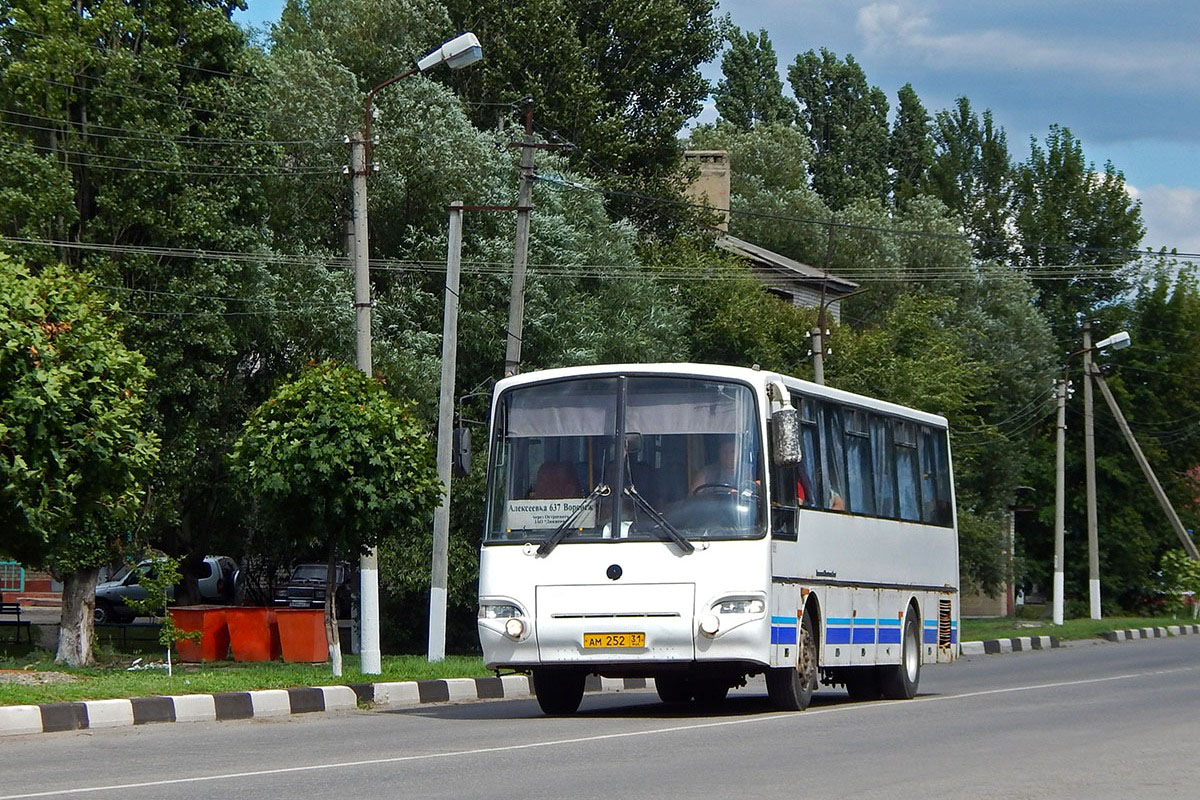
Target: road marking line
[585, 739]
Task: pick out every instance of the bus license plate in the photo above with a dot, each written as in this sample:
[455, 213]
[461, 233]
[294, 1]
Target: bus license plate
[601, 640]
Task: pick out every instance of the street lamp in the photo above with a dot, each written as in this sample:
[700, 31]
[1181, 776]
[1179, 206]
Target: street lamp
[1118, 341]
[461, 51]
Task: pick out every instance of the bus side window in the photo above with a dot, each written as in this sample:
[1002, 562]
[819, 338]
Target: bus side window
[809, 473]
[908, 474]
[784, 502]
[885, 467]
[859, 480]
[833, 459]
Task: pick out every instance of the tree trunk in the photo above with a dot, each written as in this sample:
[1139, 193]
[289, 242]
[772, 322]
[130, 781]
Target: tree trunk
[331, 627]
[78, 618]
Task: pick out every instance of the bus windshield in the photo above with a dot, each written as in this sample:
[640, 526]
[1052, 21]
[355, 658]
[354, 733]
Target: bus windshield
[685, 452]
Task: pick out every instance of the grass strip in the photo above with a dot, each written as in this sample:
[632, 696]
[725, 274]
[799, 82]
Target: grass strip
[1006, 627]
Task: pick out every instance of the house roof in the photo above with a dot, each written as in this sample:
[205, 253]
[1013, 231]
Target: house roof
[796, 270]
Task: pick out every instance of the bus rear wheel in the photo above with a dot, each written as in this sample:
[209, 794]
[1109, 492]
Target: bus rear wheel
[559, 692]
[673, 689]
[791, 688]
[862, 683]
[710, 692]
[899, 682]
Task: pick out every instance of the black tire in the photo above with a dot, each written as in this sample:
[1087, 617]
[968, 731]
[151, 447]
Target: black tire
[103, 613]
[899, 681]
[559, 692]
[862, 683]
[673, 689]
[791, 688]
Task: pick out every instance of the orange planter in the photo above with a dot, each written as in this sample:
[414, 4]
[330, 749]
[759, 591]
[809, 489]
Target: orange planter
[210, 622]
[302, 635]
[253, 635]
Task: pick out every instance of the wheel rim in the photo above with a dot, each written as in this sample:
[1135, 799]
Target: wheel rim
[912, 654]
[807, 667]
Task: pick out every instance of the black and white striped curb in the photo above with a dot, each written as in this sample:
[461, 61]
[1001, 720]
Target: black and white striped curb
[92, 714]
[1013, 645]
[1150, 633]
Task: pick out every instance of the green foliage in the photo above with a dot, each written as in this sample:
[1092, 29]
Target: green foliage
[982, 552]
[751, 93]
[910, 148]
[1180, 573]
[335, 464]
[159, 582]
[74, 452]
[846, 121]
[1070, 215]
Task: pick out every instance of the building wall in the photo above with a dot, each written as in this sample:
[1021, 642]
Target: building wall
[711, 188]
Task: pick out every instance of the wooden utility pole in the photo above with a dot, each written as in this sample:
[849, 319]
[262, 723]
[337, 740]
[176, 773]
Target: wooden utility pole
[1089, 449]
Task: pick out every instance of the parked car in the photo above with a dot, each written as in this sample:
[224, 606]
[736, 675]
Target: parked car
[218, 582]
[305, 588]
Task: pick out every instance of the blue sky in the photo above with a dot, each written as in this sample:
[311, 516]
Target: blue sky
[1123, 75]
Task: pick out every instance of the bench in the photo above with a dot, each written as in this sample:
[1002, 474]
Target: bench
[14, 610]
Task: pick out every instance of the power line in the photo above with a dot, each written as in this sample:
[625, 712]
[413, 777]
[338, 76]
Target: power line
[131, 137]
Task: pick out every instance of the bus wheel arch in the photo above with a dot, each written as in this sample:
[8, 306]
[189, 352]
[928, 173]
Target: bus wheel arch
[791, 687]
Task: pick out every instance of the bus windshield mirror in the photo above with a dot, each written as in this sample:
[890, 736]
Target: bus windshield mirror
[661, 522]
[564, 527]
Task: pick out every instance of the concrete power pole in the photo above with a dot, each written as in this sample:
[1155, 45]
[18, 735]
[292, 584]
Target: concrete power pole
[1188, 545]
[1089, 447]
[516, 303]
[445, 437]
[1060, 501]
[368, 565]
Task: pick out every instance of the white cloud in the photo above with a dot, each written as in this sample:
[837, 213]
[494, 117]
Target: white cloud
[905, 30]
[1172, 216]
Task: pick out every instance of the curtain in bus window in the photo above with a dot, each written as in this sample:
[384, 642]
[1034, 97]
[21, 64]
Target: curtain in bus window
[859, 481]
[885, 467]
[925, 451]
[810, 465]
[936, 466]
[908, 474]
[833, 460]
[568, 408]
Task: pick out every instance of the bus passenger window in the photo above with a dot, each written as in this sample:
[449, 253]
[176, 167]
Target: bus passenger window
[885, 468]
[833, 459]
[859, 479]
[908, 475]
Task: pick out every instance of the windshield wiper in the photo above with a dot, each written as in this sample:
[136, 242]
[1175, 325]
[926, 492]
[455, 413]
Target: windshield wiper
[663, 524]
[564, 528]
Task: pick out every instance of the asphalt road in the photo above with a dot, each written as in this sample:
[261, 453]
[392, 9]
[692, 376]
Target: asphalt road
[1091, 721]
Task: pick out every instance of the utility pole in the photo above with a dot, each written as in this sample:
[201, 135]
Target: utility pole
[368, 565]
[1089, 449]
[818, 340]
[441, 517]
[516, 302]
[1188, 545]
[1060, 501]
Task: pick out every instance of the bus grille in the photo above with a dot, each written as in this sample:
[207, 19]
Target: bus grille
[616, 616]
[943, 623]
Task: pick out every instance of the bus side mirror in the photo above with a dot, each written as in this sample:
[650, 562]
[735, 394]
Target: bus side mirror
[460, 457]
[785, 437]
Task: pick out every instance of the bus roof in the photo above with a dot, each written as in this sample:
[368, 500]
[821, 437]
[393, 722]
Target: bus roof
[752, 376]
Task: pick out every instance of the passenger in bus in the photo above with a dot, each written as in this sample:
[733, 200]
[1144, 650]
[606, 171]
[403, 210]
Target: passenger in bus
[555, 480]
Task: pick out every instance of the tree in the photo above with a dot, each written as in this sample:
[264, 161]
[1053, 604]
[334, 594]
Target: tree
[74, 452]
[751, 93]
[1077, 220]
[972, 174]
[846, 122]
[336, 465]
[910, 148]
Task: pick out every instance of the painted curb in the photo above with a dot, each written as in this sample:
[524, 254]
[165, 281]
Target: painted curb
[1016, 644]
[1150, 633]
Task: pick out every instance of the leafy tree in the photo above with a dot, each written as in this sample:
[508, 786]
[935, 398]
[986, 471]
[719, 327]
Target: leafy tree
[74, 452]
[910, 148]
[159, 583]
[751, 93]
[973, 175]
[846, 122]
[336, 465]
[1073, 218]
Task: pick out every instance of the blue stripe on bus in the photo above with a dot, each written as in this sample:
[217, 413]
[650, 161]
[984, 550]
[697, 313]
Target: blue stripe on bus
[931, 623]
[864, 636]
[783, 634]
[931, 636]
[783, 621]
[890, 636]
[865, 622]
[839, 621]
[895, 622]
[837, 636]
[953, 637]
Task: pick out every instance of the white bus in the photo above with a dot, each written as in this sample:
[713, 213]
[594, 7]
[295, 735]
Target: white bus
[700, 524]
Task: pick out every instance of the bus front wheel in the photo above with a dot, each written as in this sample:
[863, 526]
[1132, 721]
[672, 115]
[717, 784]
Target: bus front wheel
[899, 682]
[558, 692]
[791, 688]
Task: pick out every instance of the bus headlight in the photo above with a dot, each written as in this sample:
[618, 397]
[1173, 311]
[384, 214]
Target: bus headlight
[498, 611]
[514, 628]
[710, 624]
[740, 605]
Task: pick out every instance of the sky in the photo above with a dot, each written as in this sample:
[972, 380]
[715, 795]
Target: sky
[1123, 75]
